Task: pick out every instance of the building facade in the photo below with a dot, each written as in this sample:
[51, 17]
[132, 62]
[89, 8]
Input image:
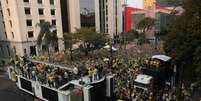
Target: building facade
[109, 16]
[74, 15]
[21, 17]
[4, 44]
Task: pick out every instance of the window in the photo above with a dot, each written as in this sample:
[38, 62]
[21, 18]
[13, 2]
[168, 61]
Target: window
[8, 50]
[6, 35]
[54, 22]
[1, 12]
[30, 34]
[42, 20]
[33, 50]
[13, 35]
[26, 1]
[14, 49]
[29, 22]
[8, 10]
[11, 25]
[54, 31]
[1, 49]
[27, 11]
[52, 11]
[4, 24]
[40, 1]
[51, 2]
[25, 51]
[40, 11]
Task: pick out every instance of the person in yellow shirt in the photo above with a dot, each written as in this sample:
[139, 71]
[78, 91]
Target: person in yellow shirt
[51, 80]
[14, 76]
[90, 72]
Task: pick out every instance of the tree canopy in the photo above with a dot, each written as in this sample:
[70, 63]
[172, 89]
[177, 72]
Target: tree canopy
[69, 40]
[90, 36]
[46, 36]
[183, 41]
[146, 24]
[131, 35]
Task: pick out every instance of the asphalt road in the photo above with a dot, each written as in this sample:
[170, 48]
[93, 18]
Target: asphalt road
[10, 92]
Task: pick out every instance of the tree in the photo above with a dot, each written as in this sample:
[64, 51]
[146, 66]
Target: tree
[197, 63]
[162, 34]
[184, 39]
[46, 36]
[131, 35]
[142, 39]
[90, 38]
[146, 24]
[69, 40]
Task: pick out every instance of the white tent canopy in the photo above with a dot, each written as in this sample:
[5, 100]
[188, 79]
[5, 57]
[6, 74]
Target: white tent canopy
[161, 57]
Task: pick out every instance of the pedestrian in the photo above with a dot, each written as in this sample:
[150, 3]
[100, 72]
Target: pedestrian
[96, 74]
[90, 72]
[33, 73]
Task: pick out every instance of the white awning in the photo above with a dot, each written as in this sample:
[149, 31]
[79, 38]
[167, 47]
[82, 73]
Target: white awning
[161, 57]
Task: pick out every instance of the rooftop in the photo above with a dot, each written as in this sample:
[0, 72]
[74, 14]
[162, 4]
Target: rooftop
[144, 79]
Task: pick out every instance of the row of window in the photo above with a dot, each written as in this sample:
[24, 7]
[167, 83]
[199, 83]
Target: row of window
[29, 33]
[40, 1]
[29, 22]
[27, 11]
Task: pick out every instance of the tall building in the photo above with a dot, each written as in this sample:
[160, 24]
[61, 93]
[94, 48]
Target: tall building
[109, 16]
[70, 15]
[74, 15]
[20, 18]
[4, 44]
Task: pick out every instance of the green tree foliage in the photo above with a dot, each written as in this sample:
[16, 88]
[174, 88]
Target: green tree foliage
[131, 35]
[90, 37]
[46, 36]
[142, 39]
[69, 40]
[197, 63]
[146, 24]
[183, 41]
[162, 34]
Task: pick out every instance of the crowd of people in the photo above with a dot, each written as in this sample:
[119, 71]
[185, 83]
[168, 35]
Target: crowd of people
[45, 74]
[125, 66]
[54, 76]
